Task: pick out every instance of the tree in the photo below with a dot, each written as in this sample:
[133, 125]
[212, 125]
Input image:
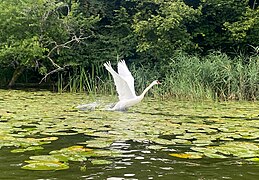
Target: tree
[163, 27]
[34, 32]
[113, 33]
[226, 25]
[245, 31]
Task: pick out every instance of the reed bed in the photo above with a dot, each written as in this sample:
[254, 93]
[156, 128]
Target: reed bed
[92, 80]
[216, 76]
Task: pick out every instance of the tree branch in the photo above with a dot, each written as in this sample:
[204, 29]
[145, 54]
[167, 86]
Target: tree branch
[57, 47]
[51, 72]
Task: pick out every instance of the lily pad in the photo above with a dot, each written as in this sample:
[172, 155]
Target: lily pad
[46, 166]
[45, 158]
[187, 155]
[31, 148]
[214, 155]
[100, 162]
[156, 147]
[99, 143]
[162, 141]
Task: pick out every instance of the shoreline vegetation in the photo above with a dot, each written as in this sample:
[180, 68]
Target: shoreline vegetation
[213, 77]
[198, 49]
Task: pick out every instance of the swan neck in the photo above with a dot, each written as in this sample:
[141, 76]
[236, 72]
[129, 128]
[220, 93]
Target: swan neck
[146, 90]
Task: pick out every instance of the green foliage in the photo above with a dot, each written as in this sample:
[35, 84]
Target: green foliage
[226, 25]
[246, 29]
[18, 42]
[34, 32]
[113, 34]
[164, 29]
[22, 52]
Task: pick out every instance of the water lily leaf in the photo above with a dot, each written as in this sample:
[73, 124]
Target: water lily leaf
[45, 166]
[187, 136]
[187, 156]
[107, 153]
[49, 139]
[181, 141]
[204, 149]
[162, 141]
[253, 159]
[71, 150]
[31, 148]
[214, 155]
[61, 157]
[99, 143]
[73, 153]
[47, 158]
[202, 142]
[156, 147]
[239, 149]
[100, 162]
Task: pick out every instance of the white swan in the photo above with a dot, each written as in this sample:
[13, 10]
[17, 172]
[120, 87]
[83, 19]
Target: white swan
[124, 82]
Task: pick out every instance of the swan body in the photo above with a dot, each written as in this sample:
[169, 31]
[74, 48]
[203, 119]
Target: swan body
[124, 83]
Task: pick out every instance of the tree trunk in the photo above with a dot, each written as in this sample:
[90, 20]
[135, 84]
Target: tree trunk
[18, 71]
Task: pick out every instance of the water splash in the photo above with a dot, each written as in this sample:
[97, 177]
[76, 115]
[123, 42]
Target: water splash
[88, 107]
[95, 105]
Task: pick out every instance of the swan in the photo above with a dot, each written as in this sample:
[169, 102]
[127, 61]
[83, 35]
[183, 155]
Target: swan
[124, 83]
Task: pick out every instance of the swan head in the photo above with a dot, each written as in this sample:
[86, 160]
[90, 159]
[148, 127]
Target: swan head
[156, 82]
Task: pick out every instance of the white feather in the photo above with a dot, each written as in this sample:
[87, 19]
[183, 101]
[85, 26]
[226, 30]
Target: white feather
[124, 82]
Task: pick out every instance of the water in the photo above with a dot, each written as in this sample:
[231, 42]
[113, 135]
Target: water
[154, 140]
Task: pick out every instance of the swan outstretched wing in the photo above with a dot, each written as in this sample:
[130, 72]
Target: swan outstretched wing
[122, 85]
[126, 74]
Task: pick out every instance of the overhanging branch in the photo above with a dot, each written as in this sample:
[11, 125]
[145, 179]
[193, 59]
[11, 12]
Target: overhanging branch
[57, 47]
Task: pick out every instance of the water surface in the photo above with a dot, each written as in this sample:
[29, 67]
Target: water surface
[43, 136]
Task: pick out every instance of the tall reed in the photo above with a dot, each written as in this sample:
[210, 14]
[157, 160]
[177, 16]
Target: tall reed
[216, 76]
[92, 80]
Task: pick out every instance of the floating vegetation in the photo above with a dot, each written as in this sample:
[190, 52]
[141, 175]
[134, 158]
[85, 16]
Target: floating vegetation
[46, 166]
[217, 130]
[100, 162]
[187, 155]
[59, 159]
[31, 148]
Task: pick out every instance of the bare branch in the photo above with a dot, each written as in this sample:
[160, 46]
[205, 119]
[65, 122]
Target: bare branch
[57, 47]
[51, 72]
[64, 45]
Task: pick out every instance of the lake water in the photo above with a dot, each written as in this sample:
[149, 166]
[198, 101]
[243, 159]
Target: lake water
[43, 136]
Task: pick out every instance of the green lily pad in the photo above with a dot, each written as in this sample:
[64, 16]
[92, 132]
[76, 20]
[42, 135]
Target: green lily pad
[253, 159]
[45, 166]
[100, 162]
[156, 147]
[31, 148]
[45, 158]
[162, 141]
[239, 149]
[214, 155]
[99, 143]
[73, 153]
